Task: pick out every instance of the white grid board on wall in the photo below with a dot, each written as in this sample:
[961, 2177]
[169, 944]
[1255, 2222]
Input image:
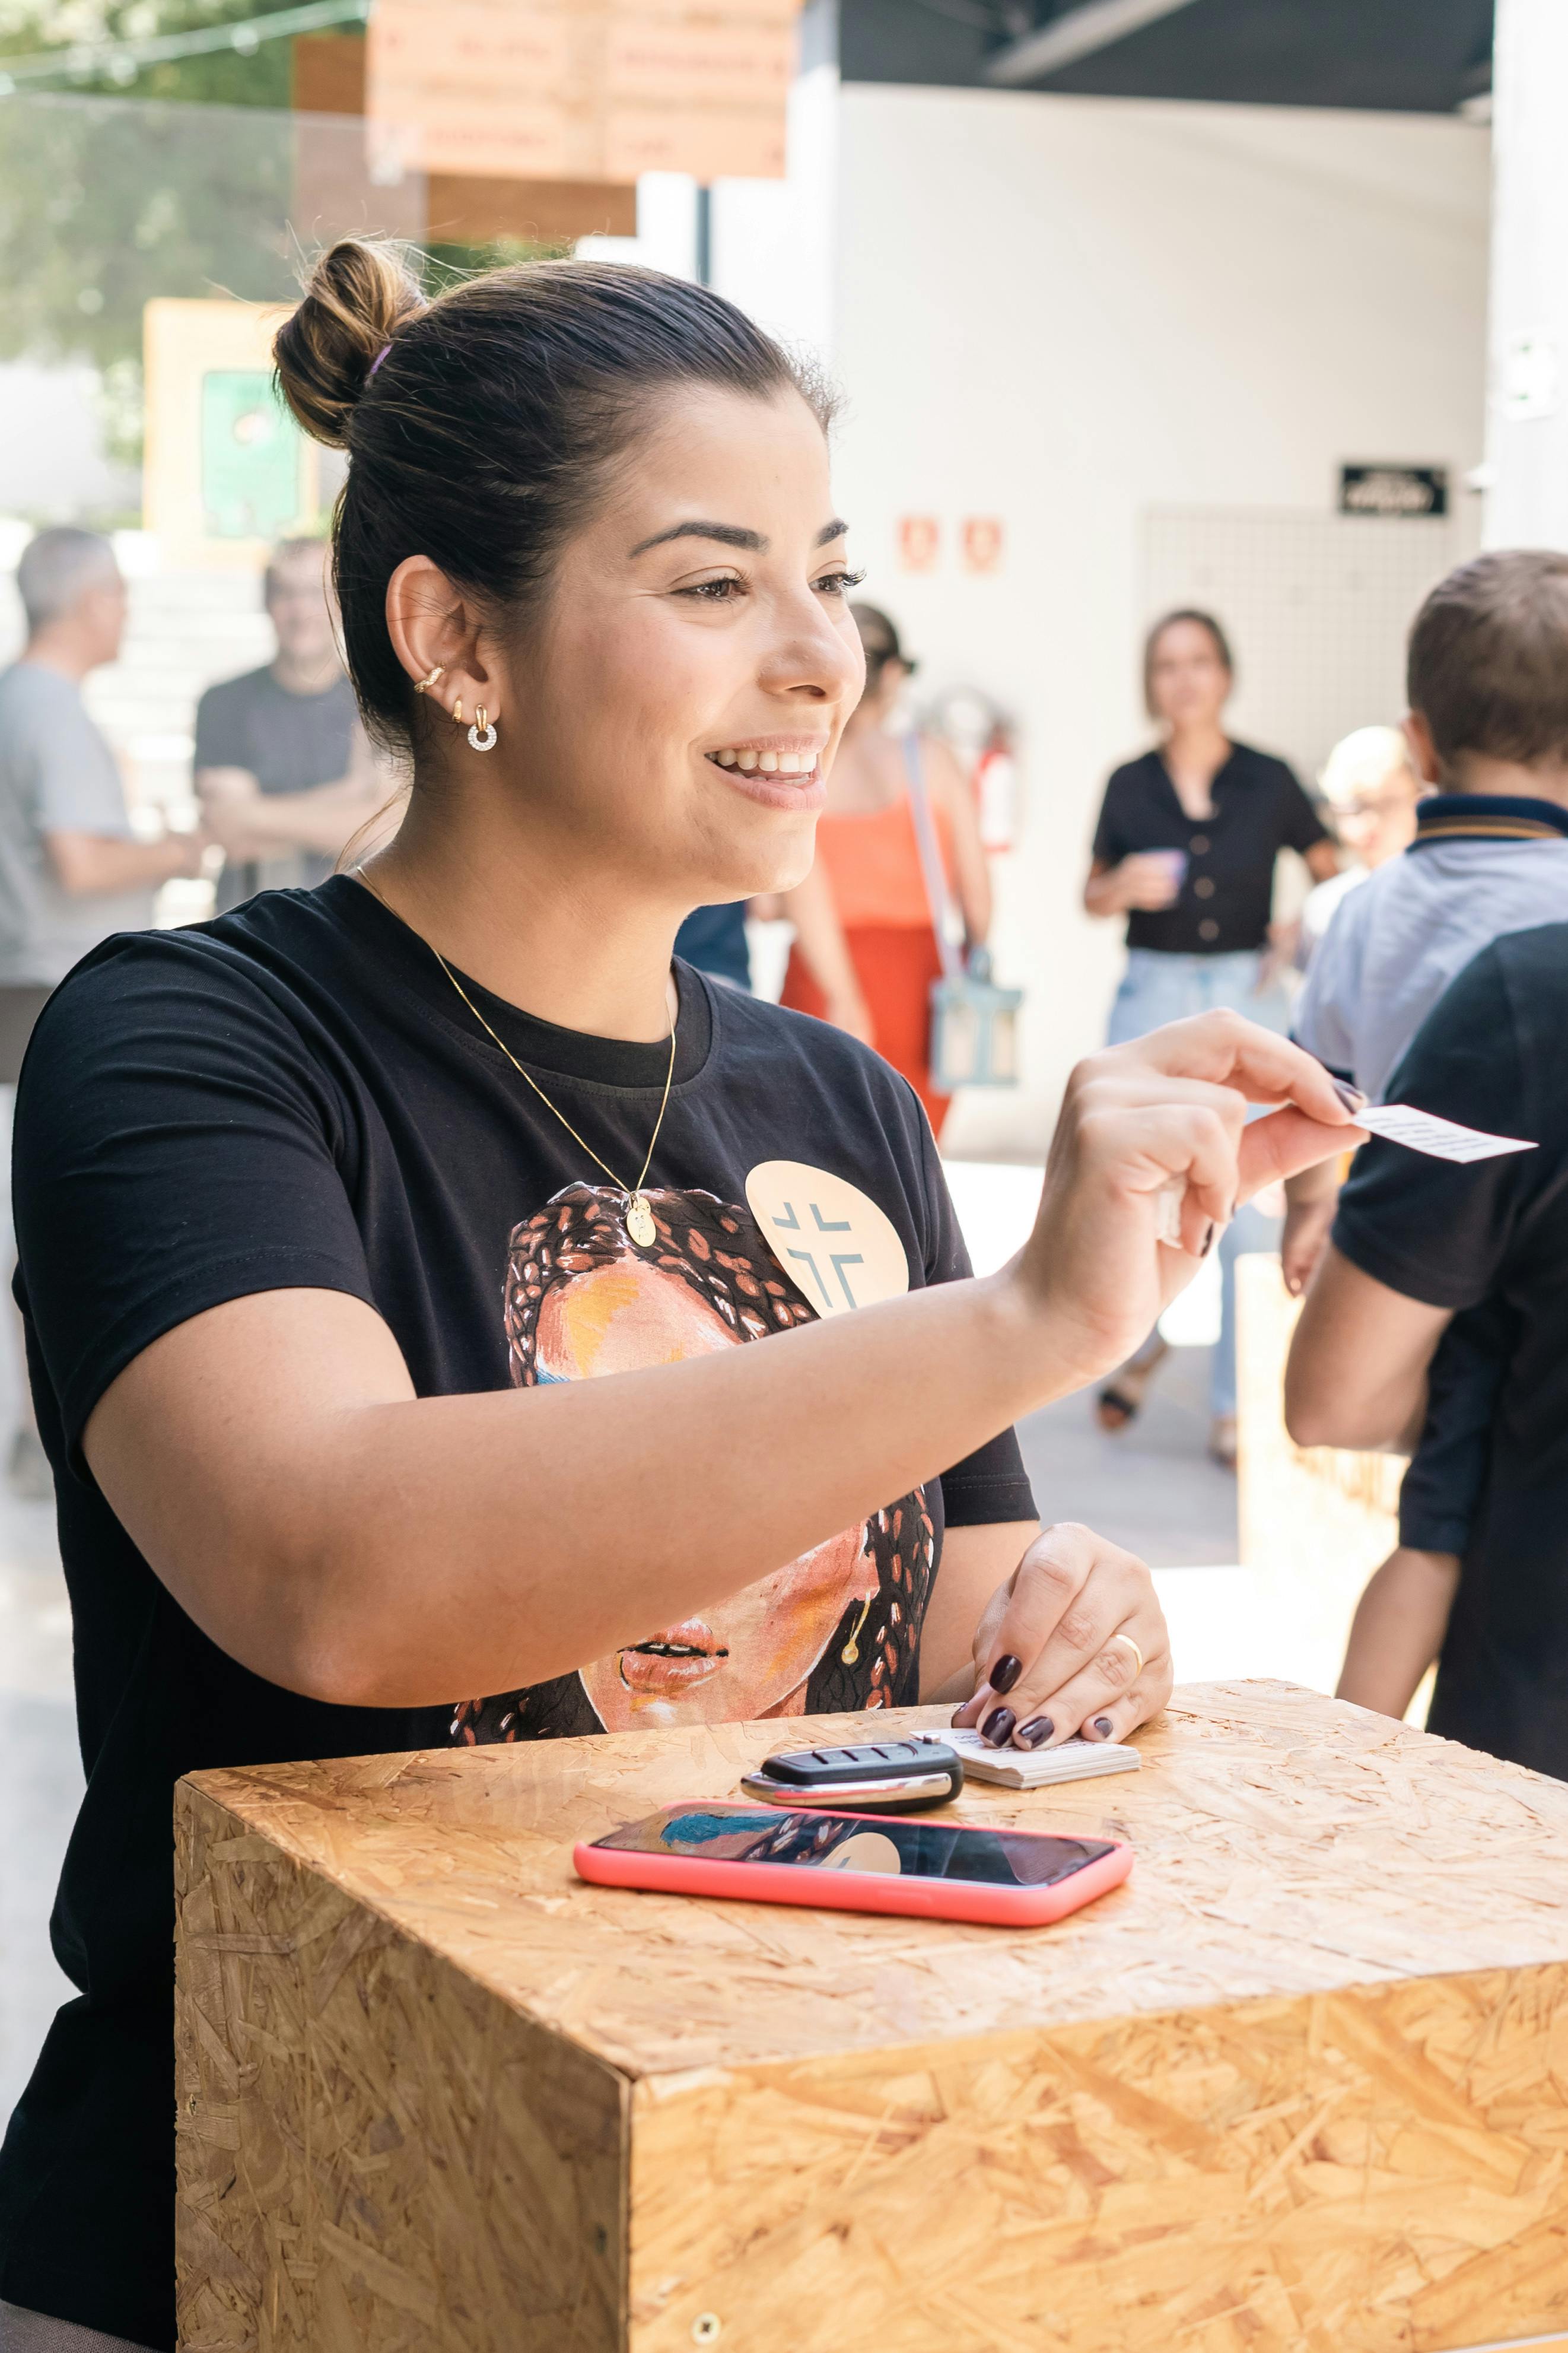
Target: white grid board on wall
[1316, 607]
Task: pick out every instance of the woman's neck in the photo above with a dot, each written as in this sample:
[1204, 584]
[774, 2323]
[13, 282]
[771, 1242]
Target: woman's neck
[582, 949]
[1198, 750]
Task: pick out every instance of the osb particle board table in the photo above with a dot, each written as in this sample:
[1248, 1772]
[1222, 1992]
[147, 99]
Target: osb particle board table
[1301, 2087]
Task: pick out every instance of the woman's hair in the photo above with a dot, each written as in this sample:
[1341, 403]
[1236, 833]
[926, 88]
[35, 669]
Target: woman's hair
[713, 1247]
[1488, 664]
[1168, 621]
[482, 426]
[879, 639]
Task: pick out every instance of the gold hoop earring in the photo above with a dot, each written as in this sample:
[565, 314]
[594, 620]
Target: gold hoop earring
[482, 735]
[851, 1651]
[423, 685]
[457, 711]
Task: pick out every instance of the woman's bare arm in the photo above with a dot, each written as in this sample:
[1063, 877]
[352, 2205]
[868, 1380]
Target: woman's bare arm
[1356, 1374]
[819, 935]
[345, 1538]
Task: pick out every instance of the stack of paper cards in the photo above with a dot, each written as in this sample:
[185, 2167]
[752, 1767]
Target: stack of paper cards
[1024, 1768]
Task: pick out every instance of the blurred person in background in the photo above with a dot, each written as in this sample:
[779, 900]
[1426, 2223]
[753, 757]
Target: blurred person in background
[1371, 788]
[71, 869]
[1488, 732]
[283, 772]
[1185, 849]
[714, 940]
[866, 952]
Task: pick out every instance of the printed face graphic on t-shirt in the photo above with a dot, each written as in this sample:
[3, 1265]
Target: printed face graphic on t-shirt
[583, 1299]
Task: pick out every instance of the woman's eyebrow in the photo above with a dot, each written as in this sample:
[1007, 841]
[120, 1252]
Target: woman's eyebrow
[730, 534]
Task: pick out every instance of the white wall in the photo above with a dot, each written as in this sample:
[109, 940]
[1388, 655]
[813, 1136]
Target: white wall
[1064, 311]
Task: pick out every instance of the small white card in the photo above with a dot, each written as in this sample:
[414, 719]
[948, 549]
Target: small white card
[1025, 1768]
[1418, 1131]
[1444, 1139]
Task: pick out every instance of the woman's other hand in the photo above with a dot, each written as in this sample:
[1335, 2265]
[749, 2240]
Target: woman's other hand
[1165, 1114]
[1074, 1643]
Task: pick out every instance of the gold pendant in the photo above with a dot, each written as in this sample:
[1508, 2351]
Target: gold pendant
[639, 1222]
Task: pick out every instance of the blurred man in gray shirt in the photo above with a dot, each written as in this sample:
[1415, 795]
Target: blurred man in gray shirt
[283, 772]
[72, 869]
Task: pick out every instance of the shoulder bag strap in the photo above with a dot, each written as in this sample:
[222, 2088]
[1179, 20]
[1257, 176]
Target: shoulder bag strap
[926, 841]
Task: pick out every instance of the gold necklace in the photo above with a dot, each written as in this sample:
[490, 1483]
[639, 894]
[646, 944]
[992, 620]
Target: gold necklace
[639, 1213]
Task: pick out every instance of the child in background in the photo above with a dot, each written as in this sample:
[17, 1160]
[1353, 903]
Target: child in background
[1372, 790]
[1489, 730]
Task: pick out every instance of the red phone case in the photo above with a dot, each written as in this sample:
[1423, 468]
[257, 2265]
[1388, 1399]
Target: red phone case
[861, 1891]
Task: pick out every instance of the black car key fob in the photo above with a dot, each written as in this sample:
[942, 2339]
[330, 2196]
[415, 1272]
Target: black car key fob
[895, 1776]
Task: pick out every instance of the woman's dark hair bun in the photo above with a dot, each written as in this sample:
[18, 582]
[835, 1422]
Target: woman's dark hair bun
[359, 292]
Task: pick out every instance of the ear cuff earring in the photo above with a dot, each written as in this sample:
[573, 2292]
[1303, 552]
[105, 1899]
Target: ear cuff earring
[423, 685]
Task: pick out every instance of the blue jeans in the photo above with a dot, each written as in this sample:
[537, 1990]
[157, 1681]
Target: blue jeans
[1157, 988]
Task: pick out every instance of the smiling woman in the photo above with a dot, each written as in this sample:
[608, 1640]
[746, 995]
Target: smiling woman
[394, 1320]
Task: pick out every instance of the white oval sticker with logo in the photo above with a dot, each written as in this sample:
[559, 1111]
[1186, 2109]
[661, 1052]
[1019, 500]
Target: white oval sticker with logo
[838, 1249]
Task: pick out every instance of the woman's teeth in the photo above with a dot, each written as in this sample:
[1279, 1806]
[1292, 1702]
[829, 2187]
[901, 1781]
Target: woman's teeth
[769, 764]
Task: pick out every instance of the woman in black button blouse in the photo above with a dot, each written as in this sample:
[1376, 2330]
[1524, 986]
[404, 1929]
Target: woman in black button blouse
[1185, 849]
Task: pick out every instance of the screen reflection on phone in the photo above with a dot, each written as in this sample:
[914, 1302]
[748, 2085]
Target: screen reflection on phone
[907, 1849]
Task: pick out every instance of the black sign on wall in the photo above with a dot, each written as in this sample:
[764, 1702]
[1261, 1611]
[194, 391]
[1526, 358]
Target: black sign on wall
[1402, 492]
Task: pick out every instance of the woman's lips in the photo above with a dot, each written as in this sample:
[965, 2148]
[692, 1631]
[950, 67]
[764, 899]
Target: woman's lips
[673, 1661]
[807, 792]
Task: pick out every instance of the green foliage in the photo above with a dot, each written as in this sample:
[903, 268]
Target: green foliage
[104, 205]
[225, 77]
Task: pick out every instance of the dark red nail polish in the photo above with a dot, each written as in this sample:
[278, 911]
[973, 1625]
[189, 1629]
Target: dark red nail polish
[997, 1727]
[1037, 1729]
[1005, 1673]
[1207, 1242]
[1104, 1727]
[1351, 1097]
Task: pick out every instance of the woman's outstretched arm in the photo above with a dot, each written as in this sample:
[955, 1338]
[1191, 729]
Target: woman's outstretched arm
[345, 1538]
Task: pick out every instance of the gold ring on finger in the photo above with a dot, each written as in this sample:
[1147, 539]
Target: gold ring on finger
[1135, 1650]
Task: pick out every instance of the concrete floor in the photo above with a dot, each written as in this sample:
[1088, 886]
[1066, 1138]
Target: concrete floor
[1151, 1487]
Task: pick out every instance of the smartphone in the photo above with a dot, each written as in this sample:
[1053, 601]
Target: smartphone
[892, 1776]
[851, 1863]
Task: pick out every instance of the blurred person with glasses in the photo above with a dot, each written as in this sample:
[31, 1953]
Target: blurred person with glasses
[71, 869]
[1371, 790]
[283, 772]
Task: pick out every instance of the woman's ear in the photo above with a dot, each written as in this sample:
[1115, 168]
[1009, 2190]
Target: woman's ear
[435, 630]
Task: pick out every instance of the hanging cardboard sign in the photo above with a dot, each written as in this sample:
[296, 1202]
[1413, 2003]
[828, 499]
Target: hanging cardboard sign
[581, 89]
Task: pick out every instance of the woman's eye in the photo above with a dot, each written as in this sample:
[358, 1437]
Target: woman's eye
[713, 592]
[838, 584]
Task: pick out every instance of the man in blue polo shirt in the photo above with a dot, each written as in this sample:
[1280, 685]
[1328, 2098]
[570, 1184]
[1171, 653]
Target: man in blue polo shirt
[1487, 682]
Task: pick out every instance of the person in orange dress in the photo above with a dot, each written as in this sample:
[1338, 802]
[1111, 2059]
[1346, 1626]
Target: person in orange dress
[864, 953]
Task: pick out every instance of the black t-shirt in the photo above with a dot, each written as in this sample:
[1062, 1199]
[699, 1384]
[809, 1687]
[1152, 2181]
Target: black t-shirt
[295, 1096]
[1490, 1055]
[1224, 907]
[290, 742]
